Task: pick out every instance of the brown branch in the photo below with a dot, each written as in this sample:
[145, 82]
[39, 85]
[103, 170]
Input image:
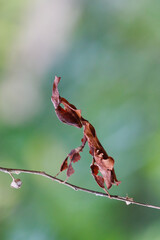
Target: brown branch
[127, 200]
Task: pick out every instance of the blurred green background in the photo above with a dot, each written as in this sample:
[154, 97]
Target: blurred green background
[108, 55]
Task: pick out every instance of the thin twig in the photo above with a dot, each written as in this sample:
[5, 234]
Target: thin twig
[127, 200]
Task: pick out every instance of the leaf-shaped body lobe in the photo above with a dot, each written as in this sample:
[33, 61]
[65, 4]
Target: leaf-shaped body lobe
[70, 170]
[105, 164]
[94, 169]
[107, 178]
[73, 111]
[114, 178]
[99, 180]
[76, 157]
[64, 165]
[92, 139]
[108, 163]
[69, 114]
[90, 135]
[68, 117]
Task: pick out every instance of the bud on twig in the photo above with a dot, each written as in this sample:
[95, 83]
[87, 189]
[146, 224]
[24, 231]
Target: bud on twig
[16, 183]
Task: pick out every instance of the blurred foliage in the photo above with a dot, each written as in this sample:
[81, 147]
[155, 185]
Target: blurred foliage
[110, 70]
[10, 22]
